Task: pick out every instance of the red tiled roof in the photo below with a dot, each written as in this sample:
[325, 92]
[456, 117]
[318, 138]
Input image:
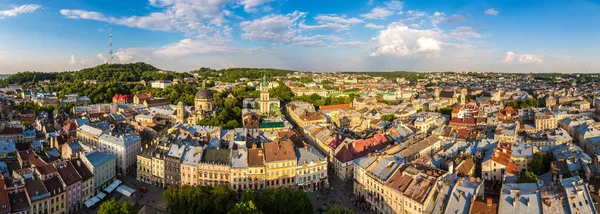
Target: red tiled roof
[68, 173]
[83, 171]
[278, 151]
[361, 148]
[46, 169]
[338, 106]
[71, 127]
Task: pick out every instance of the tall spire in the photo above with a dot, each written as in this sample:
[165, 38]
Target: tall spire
[204, 84]
[110, 53]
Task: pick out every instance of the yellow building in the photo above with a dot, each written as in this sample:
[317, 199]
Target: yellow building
[144, 164]
[545, 120]
[214, 167]
[38, 195]
[280, 163]
[189, 166]
[256, 168]
[158, 165]
[57, 194]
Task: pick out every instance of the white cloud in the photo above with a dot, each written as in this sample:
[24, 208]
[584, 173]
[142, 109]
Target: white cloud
[463, 33]
[16, 10]
[250, 5]
[194, 18]
[490, 12]
[384, 12]
[374, 26]
[394, 5]
[370, 2]
[82, 14]
[530, 58]
[187, 47]
[439, 17]
[522, 58]
[399, 39]
[273, 28]
[102, 58]
[73, 60]
[377, 13]
[352, 44]
[332, 21]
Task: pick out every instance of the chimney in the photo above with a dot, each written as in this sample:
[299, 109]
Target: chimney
[514, 201]
[489, 202]
[472, 179]
[260, 152]
[78, 163]
[527, 201]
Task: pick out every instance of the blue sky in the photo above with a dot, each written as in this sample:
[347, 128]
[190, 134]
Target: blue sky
[308, 35]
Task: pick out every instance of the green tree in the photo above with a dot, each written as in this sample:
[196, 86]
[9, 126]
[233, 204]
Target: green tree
[388, 118]
[223, 198]
[337, 209]
[527, 177]
[538, 164]
[244, 208]
[112, 207]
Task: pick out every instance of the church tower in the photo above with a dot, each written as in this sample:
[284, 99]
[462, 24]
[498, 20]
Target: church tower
[463, 96]
[437, 93]
[264, 96]
[180, 112]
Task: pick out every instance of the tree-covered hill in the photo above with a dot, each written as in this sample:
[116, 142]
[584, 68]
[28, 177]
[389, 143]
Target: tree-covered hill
[234, 74]
[105, 72]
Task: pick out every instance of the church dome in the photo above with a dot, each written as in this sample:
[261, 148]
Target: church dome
[204, 94]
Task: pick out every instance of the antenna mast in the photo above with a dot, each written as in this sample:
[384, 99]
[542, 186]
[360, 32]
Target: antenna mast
[110, 53]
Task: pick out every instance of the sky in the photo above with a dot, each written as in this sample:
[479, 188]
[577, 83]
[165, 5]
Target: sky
[306, 35]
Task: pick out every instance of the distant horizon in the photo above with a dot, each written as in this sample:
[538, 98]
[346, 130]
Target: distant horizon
[372, 71]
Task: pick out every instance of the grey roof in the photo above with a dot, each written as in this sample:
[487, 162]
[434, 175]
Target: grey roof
[204, 94]
[308, 154]
[97, 158]
[241, 161]
[385, 166]
[176, 150]
[191, 157]
[514, 197]
[465, 191]
[365, 161]
[122, 140]
[90, 130]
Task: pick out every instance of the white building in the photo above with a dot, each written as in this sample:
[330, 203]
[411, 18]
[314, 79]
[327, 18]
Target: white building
[125, 147]
[161, 84]
[102, 166]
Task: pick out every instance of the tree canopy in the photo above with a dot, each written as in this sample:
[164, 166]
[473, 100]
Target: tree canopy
[112, 207]
[222, 199]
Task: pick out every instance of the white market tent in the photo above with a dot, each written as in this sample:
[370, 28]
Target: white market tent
[101, 195]
[90, 202]
[112, 186]
[125, 190]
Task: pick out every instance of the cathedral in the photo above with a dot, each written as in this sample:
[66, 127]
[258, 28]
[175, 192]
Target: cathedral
[204, 107]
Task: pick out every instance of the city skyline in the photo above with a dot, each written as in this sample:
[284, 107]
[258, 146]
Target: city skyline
[364, 35]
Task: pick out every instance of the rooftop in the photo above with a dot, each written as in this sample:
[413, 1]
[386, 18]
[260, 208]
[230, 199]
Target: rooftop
[520, 198]
[216, 155]
[97, 158]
